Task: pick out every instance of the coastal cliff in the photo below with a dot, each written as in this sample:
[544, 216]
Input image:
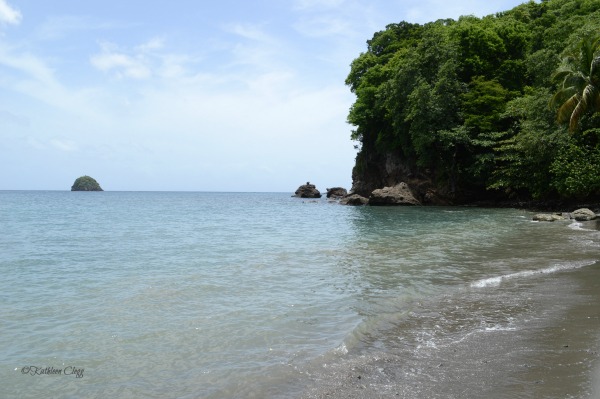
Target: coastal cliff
[493, 109]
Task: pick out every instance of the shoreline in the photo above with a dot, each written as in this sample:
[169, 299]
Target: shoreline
[551, 349]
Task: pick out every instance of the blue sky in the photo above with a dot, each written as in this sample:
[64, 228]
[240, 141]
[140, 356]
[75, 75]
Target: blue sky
[188, 95]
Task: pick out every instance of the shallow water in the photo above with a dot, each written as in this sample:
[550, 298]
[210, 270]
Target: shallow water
[220, 295]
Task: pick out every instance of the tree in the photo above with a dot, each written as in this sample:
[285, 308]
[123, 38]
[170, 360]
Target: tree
[528, 147]
[579, 91]
[576, 171]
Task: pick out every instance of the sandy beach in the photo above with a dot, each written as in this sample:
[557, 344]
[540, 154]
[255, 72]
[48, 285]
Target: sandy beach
[550, 349]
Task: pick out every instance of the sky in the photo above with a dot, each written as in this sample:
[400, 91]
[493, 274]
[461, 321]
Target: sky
[188, 95]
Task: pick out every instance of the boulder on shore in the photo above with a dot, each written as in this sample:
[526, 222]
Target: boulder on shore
[307, 191]
[336, 192]
[354, 199]
[400, 194]
[86, 183]
[583, 214]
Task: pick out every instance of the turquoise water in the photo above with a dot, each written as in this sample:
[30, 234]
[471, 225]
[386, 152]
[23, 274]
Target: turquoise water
[220, 295]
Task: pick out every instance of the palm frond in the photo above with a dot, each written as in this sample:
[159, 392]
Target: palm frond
[578, 111]
[579, 77]
[562, 95]
[595, 72]
[577, 80]
[594, 99]
[588, 96]
[566, 110]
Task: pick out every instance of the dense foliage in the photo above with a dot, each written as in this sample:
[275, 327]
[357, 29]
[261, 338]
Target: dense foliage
[86, 183]
[507, 103]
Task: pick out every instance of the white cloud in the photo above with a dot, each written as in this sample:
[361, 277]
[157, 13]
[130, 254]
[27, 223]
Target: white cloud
[156, 43]
[124, 65]
[59, 27]
[312, 4]
[64, 145]
[8, 14]
[145, 61]
[247, 31]
[253, 51]
[323, 25]
[29, 64]
[48, 99]
[173, 66]
[35, 143]
[9, 118]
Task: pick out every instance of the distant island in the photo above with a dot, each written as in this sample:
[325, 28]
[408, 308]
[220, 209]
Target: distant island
[86, 183]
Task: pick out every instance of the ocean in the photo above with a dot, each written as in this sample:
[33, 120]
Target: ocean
[261, 295]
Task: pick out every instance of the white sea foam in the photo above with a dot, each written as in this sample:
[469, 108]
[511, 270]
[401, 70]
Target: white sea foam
[342, 349]
[577, 226]
[580, 226]
[495, 281]
[500, 328]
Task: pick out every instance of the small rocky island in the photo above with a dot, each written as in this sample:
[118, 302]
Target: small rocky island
[307, 191]
[86, 183]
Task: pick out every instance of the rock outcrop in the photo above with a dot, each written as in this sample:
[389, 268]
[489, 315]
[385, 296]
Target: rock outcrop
[583, 214]
[354, 199]
[86, 183]
[336, 192]
[400, 194]
[307, 191]
[548, 217]
[374, 171]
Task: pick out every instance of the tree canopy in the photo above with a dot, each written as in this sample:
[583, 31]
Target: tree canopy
[506, 104]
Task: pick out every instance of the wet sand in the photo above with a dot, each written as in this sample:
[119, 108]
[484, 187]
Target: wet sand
[543, 341]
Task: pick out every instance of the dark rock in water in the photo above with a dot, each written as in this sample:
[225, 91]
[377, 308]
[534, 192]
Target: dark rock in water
[336, 192]
[583, 214]
[86, 183]
[307, 191]
[354, 199]
[400, 194]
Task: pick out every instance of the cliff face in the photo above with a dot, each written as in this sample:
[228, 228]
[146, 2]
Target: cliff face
[375, 171]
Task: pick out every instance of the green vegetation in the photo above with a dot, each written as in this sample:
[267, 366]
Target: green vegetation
[507, 105]
[86, 183]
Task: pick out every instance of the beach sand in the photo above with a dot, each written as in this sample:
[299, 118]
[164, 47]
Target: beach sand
[549, 348]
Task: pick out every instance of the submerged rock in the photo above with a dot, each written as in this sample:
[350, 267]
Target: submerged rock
[307, 191]
[86, 183]
[354, 199]
[400, 194]
[336, 192]
[583, 214]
